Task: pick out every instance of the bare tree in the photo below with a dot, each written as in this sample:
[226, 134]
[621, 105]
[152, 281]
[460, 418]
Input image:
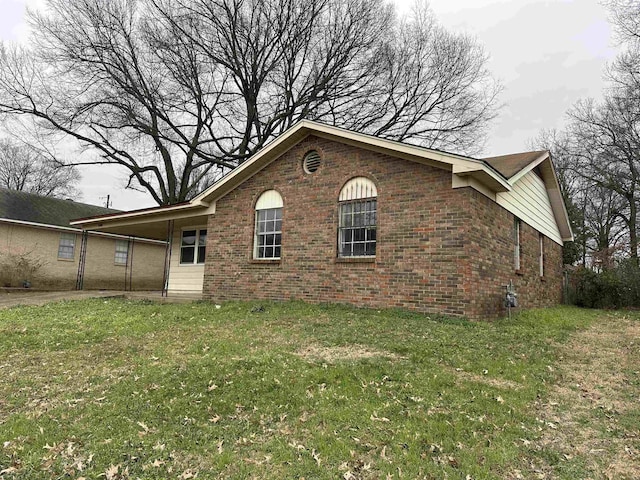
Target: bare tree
[608, 151]
[27, 169]
[625, 16]
[180, 91]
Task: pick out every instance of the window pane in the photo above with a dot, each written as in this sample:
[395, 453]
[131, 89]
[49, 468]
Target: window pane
[188, 237]
[278, 240]
[187, 254]
[201, 254]
[269, 240]
[268, 252]
[202, 237]
[66, 246]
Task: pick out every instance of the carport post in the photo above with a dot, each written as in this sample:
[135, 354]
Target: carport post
[167, 259]
[83, 259]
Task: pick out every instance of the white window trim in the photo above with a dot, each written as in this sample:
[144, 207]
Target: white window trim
[268, 200]
[256, 236]
[358, 189]
[517, 234]
[195, 263]
[541, 255]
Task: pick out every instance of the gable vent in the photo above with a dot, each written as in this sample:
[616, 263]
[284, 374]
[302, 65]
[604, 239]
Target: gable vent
[311, 161]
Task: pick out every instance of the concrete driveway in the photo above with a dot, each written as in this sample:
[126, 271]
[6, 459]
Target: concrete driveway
[34, 297]
[13, 298]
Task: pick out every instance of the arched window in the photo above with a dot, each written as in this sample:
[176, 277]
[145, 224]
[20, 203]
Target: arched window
[358, 218]
[268, 231]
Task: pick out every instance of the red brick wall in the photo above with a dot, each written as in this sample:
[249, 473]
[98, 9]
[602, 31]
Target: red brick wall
[424, 260]
[491, 244]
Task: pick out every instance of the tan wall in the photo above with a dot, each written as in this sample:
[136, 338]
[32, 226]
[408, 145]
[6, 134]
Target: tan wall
[145, 270]
[184, 278]
[40, 245]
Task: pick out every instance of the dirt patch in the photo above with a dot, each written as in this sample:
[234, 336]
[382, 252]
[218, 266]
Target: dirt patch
[589, 414]
[335, 354]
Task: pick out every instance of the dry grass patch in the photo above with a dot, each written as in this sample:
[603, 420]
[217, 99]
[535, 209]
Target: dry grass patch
[342, 353]
[589, 413]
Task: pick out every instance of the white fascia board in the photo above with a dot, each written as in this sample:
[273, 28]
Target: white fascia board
[60, 228]
[458, 163]
[246, 166]
[146, 215]
[529, 167]
[553, 190]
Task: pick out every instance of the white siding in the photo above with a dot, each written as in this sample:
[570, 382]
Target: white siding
[184, 278]
[529, 201]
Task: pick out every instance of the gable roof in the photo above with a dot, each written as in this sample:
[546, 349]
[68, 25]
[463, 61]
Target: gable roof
[491, 176]
[32, 208]
[509, 165]
[459, 164]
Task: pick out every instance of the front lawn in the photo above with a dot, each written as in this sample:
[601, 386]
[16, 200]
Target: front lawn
[121, 389]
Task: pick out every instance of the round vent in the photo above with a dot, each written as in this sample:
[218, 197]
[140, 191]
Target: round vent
[311, 161]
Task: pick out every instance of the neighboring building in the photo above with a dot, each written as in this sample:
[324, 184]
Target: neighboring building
[39, 246]
[328, 215]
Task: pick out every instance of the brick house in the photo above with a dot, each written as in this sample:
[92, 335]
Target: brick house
[324, 214]
[35, 231]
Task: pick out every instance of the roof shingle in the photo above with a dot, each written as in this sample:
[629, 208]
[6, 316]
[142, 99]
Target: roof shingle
[509, 165]
[29, 207]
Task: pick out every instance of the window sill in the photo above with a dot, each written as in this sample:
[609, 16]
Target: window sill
[191, 264]
[66, 259]
[519, 272]
[265, 261]
[371, 259]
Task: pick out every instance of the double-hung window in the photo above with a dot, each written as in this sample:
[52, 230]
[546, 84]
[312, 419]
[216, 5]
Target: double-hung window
[357, 227]
[193, 246]
[67, 245]
[267, 244]
[122, 252]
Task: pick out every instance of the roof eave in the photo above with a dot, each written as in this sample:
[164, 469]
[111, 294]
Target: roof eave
[137, 216]
[458, 163]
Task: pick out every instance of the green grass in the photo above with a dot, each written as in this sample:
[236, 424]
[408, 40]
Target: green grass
[129, 389]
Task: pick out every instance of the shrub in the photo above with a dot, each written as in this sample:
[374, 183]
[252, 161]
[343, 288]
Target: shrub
[19, 267]
[614, 288]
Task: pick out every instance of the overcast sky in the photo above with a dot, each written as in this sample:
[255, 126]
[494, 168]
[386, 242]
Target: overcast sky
[546, 53]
